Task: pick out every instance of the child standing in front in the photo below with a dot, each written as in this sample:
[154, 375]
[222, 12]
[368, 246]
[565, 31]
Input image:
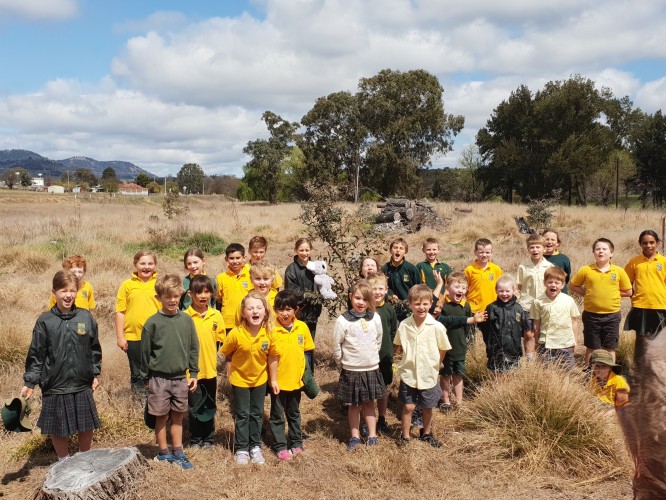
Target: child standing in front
[459, 320]
[300, 279]
[422, 341]
[169, 348]
[257, 248]
[233, 284]
[292, 343]
[210, 329]
[194, 262]
[65, 336]
[504, 328]
[482, 276]
[85, 298]
[389, 321]
[531, 283]
[252, 354]
[135, 303]
[357, 339]
[602, 285]
[554, 319]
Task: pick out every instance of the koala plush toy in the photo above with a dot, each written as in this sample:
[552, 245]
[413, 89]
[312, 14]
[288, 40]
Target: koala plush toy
[323, 282]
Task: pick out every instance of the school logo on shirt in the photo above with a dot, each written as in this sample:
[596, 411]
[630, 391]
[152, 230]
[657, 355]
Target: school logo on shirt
[81, 328]
[84, 294]
[659, 266]
[519, 317]
[264, 346]
[244, 284]
[215, 326]
[300, 339]
[406, 279]
[491, 276]
[613, 276]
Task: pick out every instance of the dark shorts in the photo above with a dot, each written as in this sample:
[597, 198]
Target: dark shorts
[529, 322]
[425, 398]
[386, 369]
[601, 331]
[645, 322]
[165, 395]
[564, 356]
[451, 367]
[356, 388]
[66, 414]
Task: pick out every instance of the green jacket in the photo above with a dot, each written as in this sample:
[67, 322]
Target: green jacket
[169, 346]
[427, 275]
[389, 319]
[401, 278]
[65, 354]
[454, 318]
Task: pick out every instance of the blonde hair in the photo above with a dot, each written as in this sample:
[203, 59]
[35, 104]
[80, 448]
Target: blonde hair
[267, 322]
[167, 283]
[363, 286]
[377, 278]
[399, 241]
[535, 239]
[262, 269]
[429, 241]
[507, 279]
[419, 292]
[457, 277]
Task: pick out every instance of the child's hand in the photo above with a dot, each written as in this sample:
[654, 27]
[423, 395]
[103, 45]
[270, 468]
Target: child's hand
[275, 387]
[192, 384]
[95, 383]
[393, 299]
[480, 316]
[438, 277]
[26, 391]
[529, 334]
[122, 343]
[437, 310]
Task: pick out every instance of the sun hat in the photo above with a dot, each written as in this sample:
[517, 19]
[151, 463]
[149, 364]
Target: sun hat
[15, 415]
[604, 357]
[202, 406]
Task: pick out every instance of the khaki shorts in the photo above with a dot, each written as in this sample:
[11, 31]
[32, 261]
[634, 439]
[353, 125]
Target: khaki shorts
[165, 395]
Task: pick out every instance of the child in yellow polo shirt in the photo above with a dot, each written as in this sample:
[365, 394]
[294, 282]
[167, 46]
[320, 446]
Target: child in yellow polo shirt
[85, 297]
[135, 303]
[482, 276]
[211, 332]
[262, 275]
[233, 284]
[292, 342]
[249, 347]
[606, 382]
[602, 284]
[257, 248]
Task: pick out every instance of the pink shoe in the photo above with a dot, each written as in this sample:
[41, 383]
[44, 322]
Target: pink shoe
[284, 455]
[296, 451]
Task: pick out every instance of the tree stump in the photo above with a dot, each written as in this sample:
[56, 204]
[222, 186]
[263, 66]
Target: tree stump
[104, 473]
[388, 217]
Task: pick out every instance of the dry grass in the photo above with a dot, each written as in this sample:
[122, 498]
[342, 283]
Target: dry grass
[39, 229]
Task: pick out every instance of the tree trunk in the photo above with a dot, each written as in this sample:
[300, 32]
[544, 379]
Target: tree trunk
[407, 214]
[388, 217]
[100, 474]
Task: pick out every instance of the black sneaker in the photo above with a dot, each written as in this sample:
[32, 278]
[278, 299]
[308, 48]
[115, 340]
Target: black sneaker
[430, 439]
[417, 417]
[403, 441]
[383, 427]
[364, 430]
[445, 407]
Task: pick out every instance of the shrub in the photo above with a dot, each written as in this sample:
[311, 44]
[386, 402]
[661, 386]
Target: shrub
[543, 417]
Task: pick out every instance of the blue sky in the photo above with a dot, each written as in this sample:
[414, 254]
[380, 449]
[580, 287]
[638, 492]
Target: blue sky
[163, 83]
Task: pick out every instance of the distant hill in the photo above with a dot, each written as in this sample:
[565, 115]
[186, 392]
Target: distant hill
[36, 164]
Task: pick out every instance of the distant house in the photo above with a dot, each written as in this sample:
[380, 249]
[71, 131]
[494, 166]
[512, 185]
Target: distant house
[56, 189]
[132, 189]
[37, 182]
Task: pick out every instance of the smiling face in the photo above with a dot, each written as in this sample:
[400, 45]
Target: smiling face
[358, 302]
[483, 253]
[145, 267]
[551, 242]
[262, 284]
[553, 287]
[505, 291]
[303, 252]
[649, 245]
[420, 307]
[170, 300]
[602, 252]
[379, 291]
[285, 316]
[254, 312]
[431, 251]
[65, 297]
[235, 261]
[79, 272]
[457, 291]
[369, 266]
[195, 265]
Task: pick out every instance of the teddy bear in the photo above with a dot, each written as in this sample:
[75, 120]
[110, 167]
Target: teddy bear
[323, 282]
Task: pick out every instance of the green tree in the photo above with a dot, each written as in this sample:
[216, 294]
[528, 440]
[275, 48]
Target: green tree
[109, 173]
[191, 178]
[85, 175]
[142, 179]
[153, 187]
[404, 115]
[648, 145]
[265, 170]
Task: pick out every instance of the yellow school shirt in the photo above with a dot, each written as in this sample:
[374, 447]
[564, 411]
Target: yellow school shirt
[210, 330]
[481, 289]
[136, 299]
[249, 356]
[277, 281]
[291, 346]
[649, 279]
[270, 299]
[607, 393]
[231, 289]
[602, 290]
[85, 298]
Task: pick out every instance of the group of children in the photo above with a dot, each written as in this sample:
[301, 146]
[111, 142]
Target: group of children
[172, 330]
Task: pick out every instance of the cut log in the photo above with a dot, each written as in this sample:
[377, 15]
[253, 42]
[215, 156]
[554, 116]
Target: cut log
[388, 217]
[104, 473]
[399, 202]
[407, 214]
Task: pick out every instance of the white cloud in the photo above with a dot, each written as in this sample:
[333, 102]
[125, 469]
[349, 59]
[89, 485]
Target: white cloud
[39, 9]
[650, 97]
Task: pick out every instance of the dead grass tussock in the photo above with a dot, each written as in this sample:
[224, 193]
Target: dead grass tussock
[540, 417]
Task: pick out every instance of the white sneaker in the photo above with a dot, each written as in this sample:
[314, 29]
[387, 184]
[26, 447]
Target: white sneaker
[257, 456]
[242, 457]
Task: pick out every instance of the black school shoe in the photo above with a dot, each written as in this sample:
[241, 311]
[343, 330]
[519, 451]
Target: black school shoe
[429, 438]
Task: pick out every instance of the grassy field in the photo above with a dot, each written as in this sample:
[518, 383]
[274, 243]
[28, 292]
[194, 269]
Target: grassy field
[500, 445]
